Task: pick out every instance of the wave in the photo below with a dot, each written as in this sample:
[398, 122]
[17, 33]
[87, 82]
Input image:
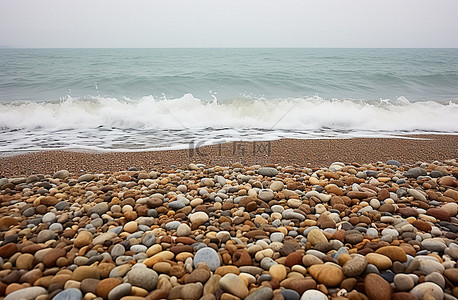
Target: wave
[189, 112]
[148, 124]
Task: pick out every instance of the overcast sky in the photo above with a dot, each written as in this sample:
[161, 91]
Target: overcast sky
[229, 23]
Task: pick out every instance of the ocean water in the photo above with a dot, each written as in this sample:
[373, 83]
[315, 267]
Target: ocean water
[151, 99]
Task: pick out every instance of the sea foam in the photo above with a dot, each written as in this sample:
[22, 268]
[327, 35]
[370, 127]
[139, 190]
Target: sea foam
[102, 123]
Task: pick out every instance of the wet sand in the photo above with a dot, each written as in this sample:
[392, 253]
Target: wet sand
[311, 153]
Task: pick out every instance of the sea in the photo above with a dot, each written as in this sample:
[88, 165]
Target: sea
[157, 99]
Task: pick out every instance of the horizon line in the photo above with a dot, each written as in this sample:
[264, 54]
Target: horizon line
[14, 47]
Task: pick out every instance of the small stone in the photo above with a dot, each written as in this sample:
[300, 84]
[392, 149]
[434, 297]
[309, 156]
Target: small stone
[84, 272]
[69, 294]
[267, 171]
[234, 284]
[106, 285]
[142, 277]
[264, 293]
[438, 213]
[277, 186]
[353, 237]
[310, 260]
[406, 212]
[61, 174]
[428, 266]
[46, 235]
[403, 282]
[99, 208]
[437, 278]
[277, 237]
[49, 201]
[427, 288]
[448, 181]
[417, 195]
[199, 217]
[294, 258]
[183, 230]
[29, 293]
[48, 217]
[278, 272]
[83, 238]
[415, 172]
[355, 266]
[86, 177]
[25, 261]
[131, 226]
[329, 274]
[422, 225]
[313, 295]
[120, 291]
[102, 238]
[7, 250]
[208, 256]
[377, 288]
[50, 258]
[266, 195]
[316, 236]
[434, 245]
[89, 285]
[192, 291]
[380, 261]
[289, 294]
[198, 275]
[393, 252]
[117, 251]
[393, 162]
[452, 275]
[403, 296]
[325, 222]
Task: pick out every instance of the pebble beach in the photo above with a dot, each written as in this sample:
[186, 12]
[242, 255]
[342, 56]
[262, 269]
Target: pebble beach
[289, 220]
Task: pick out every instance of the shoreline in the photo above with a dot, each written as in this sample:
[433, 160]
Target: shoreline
[309, 153]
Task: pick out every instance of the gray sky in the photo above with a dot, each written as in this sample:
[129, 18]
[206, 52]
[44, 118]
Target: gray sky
[229, 23]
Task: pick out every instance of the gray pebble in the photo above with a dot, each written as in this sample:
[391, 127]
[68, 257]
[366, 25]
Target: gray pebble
[208, 256]
[69, 294]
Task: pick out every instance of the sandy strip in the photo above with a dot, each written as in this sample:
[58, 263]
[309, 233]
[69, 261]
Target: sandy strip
[313, 153]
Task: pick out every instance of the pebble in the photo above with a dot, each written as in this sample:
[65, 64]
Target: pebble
[28, 293]
[142, 277]
[403, 282]
[46, 235]
[264, 293]
[278, 272]
[382, 262]
[266, 195]
[234, 284]
[427, 288]
[377, 288]
[120, 291]
[267, 171]
[183, 230]
[208, 256]
[316, 236]
[277, 237]
[313, 295]
[355, 266]
[437, 278]
[69, 294]
[329, 274]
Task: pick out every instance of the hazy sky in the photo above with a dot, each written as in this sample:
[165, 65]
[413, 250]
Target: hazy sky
[229, 23]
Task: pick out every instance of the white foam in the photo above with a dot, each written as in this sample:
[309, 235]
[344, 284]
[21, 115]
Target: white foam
[188, 112]
[100, 123]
